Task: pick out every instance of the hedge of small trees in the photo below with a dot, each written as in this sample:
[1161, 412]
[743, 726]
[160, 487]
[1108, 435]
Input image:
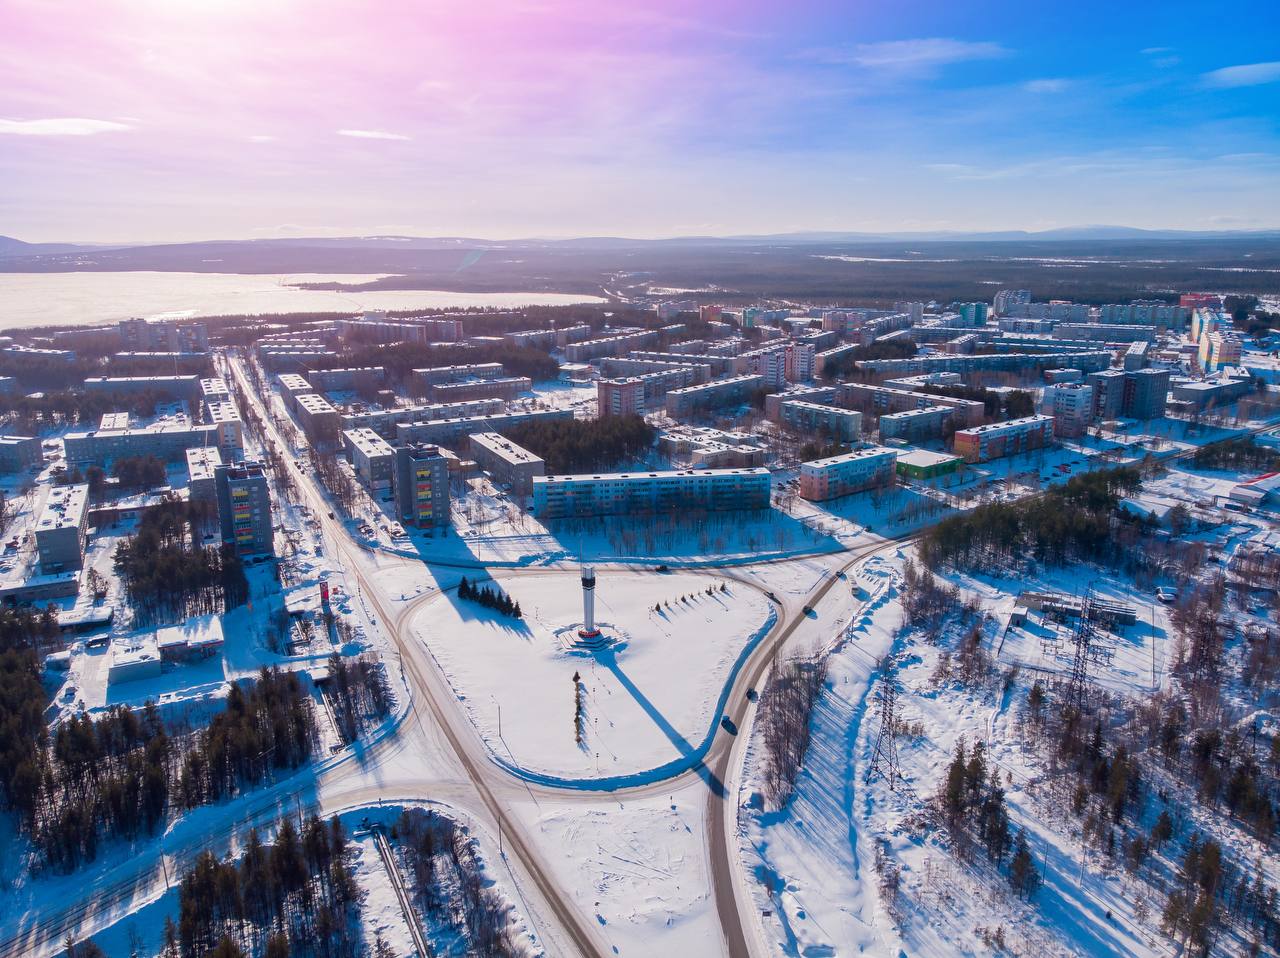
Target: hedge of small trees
[490, 598]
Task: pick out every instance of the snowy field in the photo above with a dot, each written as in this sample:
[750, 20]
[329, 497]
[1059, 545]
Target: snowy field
[650, 699]
[636, 867]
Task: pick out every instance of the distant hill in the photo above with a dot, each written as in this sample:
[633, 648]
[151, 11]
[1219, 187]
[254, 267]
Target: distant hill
[16, 247]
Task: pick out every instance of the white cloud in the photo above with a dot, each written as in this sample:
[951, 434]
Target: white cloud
[60, 126]
[1246, 74]
[372, 135]
[1048, 85]
[262, 138]
[909, 55]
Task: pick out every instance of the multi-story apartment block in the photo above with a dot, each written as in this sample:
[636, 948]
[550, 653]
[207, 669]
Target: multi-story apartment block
[179, 387]
[846, 474]
[989, 362]
[999, 439]
[880, 400]
[60, 529]
[589, 349]
[620, 397]
[504, 387]
[506, 462]
[438, 375]
[972, 314]
[811, 417]
[443, 432]
[372, 458]
[202, 481]
[384, 421]
[292, 386]
[916, 425]
[167, 440]
[1007, 298]
[1108, 393]
[1146, 393]
[20, 452]
[224, 417]
[672, 492]
[800, 362]
[422, 485]
[214, 389]
[318, 418]
[1071, 406]
[374, 327]
[244, 508]
[713, 395]
[341, 380]
[1137, 356]
[19, 354]
[141, 335]
[1219, 348]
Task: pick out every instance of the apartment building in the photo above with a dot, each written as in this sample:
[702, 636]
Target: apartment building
[178, 387]
[916, 425]
[439, 375]
[813, 418]
[141, 335]
[1219, 348]
[442, 432]
[202, 465]
[384, 421]
[318, 418]
[588, 349]
[880, 400]
[60, 529]
[846, 474]
[1071, 406]
[671, 492]
[214, 389]
[421, 485]
[165, 440]
[372, 458]
[244, 508]
[713, 395]
[18, 453]
[1021, 363]
[292, 386]
[503, 387]
[228, 429]
[345, 380]
[507, 463]
[620, 397]
[999, 439]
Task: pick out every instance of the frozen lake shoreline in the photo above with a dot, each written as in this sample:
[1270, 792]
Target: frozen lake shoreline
[89, 298]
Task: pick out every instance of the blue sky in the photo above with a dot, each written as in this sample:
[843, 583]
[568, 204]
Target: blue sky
[185, 119]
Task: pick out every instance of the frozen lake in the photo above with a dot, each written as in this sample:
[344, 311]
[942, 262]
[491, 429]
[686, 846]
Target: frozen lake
[66, 299]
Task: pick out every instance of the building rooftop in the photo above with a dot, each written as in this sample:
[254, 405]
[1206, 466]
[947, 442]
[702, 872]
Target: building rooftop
[924, 458]
[870, 452]
[222, 412]
[504, 448]
[368, 442]
[64, 509]
[922, 411]
[201, 461]
[662, 474]
[1008, 424]
[315, 403]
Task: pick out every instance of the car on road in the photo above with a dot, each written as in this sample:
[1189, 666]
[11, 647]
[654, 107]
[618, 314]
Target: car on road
[808, 610]
[330, 513]
[772, 598]
[727, 724]
[1165, 594]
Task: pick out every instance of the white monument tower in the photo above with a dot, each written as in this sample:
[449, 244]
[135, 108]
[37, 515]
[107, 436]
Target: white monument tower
[588, 630]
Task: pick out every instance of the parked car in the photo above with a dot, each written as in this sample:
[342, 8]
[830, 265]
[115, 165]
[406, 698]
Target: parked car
[1165, 594]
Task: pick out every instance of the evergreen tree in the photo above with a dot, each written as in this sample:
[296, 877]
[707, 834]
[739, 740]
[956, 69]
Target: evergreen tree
[1023, 875]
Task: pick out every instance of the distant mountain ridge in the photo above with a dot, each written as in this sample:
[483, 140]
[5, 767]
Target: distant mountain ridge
[11, 247]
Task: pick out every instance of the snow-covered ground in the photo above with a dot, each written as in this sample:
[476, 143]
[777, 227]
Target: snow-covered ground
[650, 698]
[636, 867]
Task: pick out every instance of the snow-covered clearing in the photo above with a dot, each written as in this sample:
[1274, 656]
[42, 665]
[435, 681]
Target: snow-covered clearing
[650, 699]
